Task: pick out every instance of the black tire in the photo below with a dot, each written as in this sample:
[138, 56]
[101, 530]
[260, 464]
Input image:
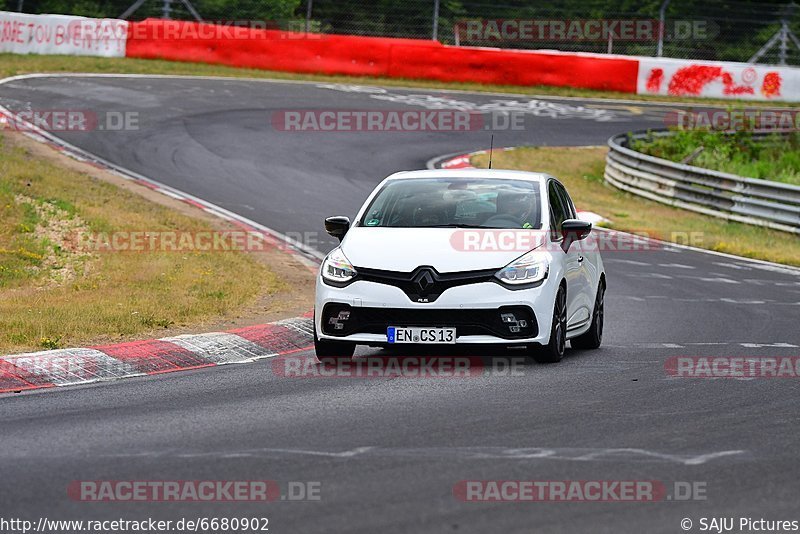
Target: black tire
[593, 337]
[332, 352]
[553, 352]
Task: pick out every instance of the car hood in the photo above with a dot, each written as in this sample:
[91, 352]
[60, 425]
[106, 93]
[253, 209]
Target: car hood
[444, 249]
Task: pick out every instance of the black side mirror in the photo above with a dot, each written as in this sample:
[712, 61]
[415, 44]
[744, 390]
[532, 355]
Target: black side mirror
[337, 226]
[574, 230]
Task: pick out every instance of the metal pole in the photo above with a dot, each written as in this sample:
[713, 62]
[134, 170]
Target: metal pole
[662, 15]
[166, 9]
[435, 31]
[309, 4]
[19, 6]
[784, 48]
[131, 10]
[192, 10]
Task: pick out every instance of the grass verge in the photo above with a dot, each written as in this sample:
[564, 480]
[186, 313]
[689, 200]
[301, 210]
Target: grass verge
[581, 171]
[55, 294]
[12, 65]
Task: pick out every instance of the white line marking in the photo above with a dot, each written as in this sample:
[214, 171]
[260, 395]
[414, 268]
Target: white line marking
[627, 262]
[676, 266]
[769, 345]
[474, 453]
[733, 266]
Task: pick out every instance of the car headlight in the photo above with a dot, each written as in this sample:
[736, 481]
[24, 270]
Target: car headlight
[336, 269]
[529, 268]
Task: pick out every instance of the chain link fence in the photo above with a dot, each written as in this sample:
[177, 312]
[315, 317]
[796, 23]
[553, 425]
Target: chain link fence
[735, 30]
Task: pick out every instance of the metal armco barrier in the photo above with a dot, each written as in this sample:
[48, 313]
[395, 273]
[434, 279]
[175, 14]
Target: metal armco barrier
[728, 196]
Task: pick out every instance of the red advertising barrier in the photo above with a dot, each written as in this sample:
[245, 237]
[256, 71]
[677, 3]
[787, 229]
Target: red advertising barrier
[374, 56]
[514, 67]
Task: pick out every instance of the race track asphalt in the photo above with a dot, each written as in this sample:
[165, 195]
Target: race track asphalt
[388, 452]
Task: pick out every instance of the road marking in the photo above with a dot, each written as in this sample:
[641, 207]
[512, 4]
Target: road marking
[769, 345]
[657, 276]
[676, 266]
[732, 266]
[742, 301]
[627, 262]
[474, 453]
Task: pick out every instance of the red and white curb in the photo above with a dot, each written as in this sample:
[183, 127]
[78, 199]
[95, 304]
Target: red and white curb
[67, 367]
[463, 161]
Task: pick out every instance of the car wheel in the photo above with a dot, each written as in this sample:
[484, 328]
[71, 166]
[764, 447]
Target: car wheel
[332, 352]
[594, 336]
[554, 351]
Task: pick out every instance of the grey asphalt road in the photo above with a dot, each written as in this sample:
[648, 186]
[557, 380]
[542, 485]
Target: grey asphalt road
[388, 452]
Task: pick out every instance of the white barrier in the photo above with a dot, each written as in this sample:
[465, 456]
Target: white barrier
[717, 79]
[62, 34]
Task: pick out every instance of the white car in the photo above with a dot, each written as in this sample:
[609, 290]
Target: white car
[461, 257]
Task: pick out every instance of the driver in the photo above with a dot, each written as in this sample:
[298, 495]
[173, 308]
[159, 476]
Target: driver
[516, 205]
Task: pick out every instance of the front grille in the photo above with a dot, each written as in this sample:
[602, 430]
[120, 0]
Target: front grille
[343, 320]
[424, 284]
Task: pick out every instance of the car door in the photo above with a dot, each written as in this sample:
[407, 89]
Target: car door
[587, 269]
[572, 266]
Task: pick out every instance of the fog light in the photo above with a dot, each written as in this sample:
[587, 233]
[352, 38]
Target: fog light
[508, 318]
[339, 320]
[515, 325]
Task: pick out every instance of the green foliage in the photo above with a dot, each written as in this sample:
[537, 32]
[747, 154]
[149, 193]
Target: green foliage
[769, 158]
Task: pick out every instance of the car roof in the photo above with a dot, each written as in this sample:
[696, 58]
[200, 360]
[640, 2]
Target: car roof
[498, 174]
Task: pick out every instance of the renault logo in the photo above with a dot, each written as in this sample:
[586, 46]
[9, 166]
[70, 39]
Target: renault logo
[424, 280]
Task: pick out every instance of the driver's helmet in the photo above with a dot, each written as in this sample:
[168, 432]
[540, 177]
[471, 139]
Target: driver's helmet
[516, 204]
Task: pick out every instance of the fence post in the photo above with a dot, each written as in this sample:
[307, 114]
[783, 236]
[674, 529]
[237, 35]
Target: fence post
[662, 15]
[435, 32]
[309, 6]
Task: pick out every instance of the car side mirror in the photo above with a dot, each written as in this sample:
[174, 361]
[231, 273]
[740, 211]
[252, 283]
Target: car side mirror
[337, 226]
[574, 230]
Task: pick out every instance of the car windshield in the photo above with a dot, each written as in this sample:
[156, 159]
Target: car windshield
[455, 202]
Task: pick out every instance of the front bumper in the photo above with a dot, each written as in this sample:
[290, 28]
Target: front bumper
[474, 310]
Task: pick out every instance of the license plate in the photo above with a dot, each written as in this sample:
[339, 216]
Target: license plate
[397, 334]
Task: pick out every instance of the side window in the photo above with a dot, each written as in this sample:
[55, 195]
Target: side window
[569, 207]
[558, 212]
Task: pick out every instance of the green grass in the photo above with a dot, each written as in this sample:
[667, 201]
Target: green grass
[581, 170]
[774, 158]
[54, 295]
[12, 65]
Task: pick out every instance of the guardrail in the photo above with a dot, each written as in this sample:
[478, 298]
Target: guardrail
[727, 196]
